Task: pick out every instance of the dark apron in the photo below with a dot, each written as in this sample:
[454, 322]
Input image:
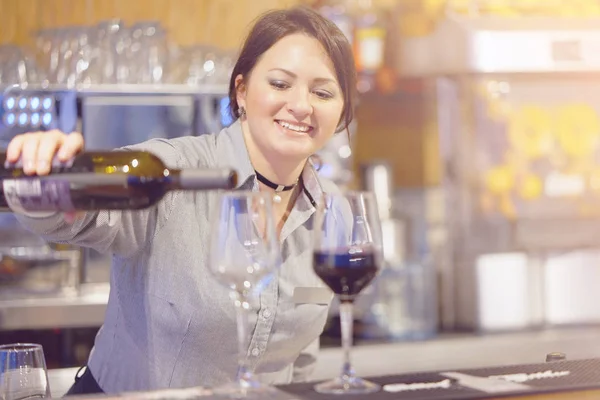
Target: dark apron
[84, 384]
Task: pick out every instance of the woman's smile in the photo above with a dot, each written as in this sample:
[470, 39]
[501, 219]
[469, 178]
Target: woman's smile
[294, 128]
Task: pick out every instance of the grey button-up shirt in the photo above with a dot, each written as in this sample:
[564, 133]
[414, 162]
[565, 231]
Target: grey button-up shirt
[168, 322]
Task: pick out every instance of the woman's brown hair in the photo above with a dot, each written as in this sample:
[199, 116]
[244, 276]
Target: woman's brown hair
[277, 24]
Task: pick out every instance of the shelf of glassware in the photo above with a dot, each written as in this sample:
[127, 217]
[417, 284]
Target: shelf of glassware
[120, 89]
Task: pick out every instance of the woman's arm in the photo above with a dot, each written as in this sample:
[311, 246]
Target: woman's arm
[121, 232]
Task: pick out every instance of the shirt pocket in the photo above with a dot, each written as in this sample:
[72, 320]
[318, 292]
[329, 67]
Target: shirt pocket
[311, 319]
[302, 303]
[307, 314]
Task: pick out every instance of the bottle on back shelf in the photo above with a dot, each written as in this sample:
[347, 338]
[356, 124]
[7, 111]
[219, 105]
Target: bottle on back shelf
[370, 30]
[340, 13]
[103, 180]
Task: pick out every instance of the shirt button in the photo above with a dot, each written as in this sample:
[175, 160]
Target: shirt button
[267, 314]
[255, 352]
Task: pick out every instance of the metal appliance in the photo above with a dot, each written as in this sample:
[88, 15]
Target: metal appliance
[518, 113]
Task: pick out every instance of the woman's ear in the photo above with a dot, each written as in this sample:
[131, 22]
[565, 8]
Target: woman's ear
[240, 90]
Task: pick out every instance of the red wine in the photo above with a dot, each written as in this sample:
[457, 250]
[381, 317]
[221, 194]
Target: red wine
[344, 272]
[103, 180]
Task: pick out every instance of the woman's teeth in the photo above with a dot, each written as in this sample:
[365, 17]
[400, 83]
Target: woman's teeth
[294, 127]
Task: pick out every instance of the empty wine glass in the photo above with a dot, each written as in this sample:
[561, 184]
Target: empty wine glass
[347, 256]
[244, 255]
[23, 373]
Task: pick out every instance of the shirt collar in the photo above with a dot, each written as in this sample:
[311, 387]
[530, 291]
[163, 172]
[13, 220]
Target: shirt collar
[313, 192]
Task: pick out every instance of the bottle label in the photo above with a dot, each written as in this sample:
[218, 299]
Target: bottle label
[33, 194]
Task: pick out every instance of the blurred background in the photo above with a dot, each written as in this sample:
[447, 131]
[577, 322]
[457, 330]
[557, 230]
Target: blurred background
[477, 128]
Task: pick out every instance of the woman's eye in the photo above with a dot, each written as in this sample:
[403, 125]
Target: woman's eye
[279, 84]
[323, 94]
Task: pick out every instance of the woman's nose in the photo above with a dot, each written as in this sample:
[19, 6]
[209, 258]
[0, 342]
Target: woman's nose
[299, 103]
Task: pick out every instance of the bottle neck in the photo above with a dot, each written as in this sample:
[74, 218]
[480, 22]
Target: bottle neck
[201, 179]
[173, 180]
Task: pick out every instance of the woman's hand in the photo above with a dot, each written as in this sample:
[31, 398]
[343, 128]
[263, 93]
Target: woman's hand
[37, 150]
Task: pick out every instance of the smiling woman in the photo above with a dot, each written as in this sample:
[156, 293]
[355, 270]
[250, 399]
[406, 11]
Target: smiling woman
[291, 90]
[293, 87]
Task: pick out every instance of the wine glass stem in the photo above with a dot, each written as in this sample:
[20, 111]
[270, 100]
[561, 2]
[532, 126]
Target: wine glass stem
[241, 308]
[346, 319]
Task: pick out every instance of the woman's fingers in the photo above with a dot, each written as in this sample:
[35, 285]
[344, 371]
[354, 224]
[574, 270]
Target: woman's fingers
[29, 153]
[13, 151]
[37, 150]
[71, 146]
[48, 145]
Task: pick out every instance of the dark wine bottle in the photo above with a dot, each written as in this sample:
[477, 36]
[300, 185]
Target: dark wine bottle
[103, 180]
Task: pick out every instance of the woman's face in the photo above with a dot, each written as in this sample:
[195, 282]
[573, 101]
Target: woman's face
[292, 98]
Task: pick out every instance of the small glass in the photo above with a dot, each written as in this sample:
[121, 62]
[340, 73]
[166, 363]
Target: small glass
[23, 373]
[347, 256]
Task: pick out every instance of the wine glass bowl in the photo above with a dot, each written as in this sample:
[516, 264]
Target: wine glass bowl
[346, 271]
[347, 254]
[245, 250]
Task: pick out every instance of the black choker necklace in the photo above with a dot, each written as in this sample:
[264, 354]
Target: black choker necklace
[278, 188]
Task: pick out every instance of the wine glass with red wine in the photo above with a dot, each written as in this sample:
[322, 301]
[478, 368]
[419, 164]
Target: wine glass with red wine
[347, 256]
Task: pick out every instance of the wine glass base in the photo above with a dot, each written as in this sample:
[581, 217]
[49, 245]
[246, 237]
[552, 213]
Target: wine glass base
[347, 385]
[246, 389]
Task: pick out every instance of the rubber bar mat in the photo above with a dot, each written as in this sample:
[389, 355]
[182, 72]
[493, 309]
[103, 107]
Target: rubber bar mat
[480, 383]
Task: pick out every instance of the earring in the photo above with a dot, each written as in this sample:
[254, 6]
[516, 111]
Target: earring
[242, 112]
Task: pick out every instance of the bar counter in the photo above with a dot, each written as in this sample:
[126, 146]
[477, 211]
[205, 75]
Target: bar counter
[448, 352]
[578, 379]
